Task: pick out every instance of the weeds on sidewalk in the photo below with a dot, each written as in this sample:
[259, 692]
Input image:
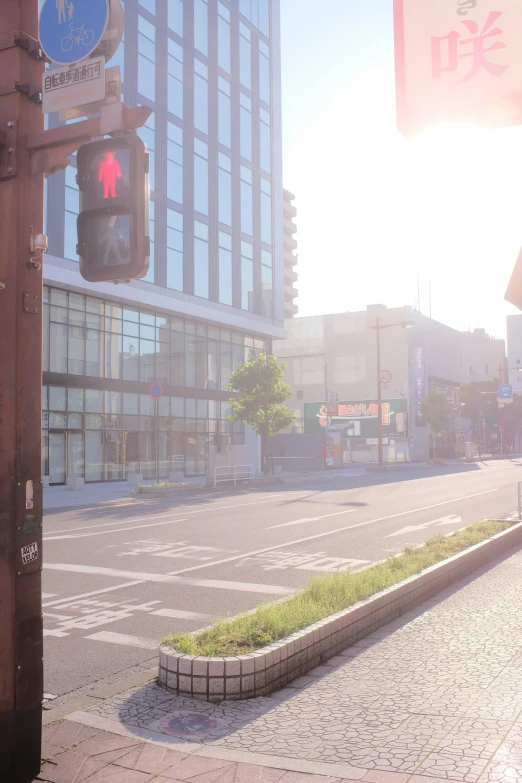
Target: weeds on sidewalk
[326, 595]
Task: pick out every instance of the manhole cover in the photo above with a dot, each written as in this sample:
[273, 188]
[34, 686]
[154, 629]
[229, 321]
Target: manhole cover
[188, 724]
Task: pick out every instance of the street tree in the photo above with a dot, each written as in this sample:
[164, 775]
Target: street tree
[434, 410]
[261, 392]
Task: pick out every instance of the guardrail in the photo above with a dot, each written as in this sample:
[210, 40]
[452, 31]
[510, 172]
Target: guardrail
[233, 474]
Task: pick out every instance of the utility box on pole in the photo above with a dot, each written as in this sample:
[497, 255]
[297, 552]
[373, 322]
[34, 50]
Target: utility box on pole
[21, 220]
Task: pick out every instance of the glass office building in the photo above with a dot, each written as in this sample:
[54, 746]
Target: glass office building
[210, 71]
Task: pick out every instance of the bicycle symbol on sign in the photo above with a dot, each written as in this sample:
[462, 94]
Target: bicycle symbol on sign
[78, 36]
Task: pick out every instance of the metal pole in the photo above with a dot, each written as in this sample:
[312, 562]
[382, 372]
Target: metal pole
[379, 395]
[21, 209]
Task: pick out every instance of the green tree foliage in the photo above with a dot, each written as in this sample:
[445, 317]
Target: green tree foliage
[434, 410]
[261, 394]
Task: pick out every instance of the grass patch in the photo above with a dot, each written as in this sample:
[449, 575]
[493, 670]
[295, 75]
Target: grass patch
[325, 595]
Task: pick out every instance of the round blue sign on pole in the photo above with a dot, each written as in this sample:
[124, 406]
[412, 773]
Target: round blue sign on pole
[70, 30]
[156, 390]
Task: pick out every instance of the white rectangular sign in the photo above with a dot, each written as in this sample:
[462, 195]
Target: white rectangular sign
[458, 60]
[74, 85]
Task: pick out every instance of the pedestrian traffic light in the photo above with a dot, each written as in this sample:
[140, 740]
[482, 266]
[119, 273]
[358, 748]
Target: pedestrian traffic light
[113, 224]
[514, 289]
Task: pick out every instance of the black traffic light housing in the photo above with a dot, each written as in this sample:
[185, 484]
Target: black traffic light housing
[113, 224]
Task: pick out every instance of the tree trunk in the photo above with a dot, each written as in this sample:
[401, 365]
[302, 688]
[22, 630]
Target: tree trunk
[264, 454]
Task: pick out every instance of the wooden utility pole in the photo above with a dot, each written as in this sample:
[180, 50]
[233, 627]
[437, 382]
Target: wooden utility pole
[21, 213]
[27, 153]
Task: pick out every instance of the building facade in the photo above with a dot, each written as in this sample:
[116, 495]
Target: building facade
[290, 255]
[339, 353]
[210, 71]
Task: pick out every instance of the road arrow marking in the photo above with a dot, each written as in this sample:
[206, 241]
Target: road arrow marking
[450, 520]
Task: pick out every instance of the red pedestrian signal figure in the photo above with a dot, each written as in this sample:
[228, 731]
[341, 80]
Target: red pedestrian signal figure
[109, 172]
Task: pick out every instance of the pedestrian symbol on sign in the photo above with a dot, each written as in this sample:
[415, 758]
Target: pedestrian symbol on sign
[109, 172]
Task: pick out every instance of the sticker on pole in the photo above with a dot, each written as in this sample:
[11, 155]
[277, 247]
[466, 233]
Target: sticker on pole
[156, 390]
[29, 553]
[70, 30]
[385, 377]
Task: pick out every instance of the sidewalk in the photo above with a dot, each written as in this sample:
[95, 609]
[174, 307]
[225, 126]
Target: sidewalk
[432, 697]
[96, 494]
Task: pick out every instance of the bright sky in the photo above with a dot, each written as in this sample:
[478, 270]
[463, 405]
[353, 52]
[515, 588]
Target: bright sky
[374, 208]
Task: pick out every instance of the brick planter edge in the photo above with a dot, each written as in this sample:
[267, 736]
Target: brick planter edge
[271, 668]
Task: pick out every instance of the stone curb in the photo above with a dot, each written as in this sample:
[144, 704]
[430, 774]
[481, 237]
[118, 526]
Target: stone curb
[271, 668]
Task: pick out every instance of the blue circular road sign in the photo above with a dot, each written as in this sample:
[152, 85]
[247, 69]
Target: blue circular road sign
[156, 390]
[70, 30]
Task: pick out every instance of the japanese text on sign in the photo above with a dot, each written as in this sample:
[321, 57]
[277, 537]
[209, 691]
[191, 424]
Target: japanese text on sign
[79, 74]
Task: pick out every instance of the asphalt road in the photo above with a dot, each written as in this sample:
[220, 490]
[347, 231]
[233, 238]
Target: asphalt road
[118, 579]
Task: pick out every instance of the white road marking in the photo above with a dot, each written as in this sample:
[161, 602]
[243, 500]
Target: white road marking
[246, 587]
[118, 530]
[328, 533]
[47, 595]
[57, 616]
[310, 519]
[124, 639]
[451, 520]
[170, 515]
[93, 592]
[180, 615]
[56, 632]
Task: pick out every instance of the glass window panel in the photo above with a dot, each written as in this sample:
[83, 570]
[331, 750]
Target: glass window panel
[131, 315]
[93, 421]
[94, 463]
[266, 218]
[113, 355]
[57, 398]
[264, 17]
[146, 28]
[247, 284]
[264, 73]
[225, 276]
[113, 402]
[201, 268]
[177, 359]
[130, 358]
[75, 399]
[246, 208]
[45, 338]
[223, 41]
[150, 5]
[59, 297]
[131, 329]
[57, 420]
[264, 143]
[94, 353]
[112, 311]
[147, 361]
[146, 76]
[224, 197]
[201, 26]
[175, 17]
[224, 120]
[267, 295]
[175, 79]
[245, 57]
[130, 403]
[45, 398]
[58, 348]
[201, 409]
[245, 133]
[200, 185]
[75, 421]
[200, 103]
[94, 400]
[177, 406]
[190, 361]
[70, 236]
[148, 332]
[190, 408]
[146, 405]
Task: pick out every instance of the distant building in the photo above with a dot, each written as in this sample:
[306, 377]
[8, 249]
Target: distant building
[338, 353]
[514, 349]
[290, 256]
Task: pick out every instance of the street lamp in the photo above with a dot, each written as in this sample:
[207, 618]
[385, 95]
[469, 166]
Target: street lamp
[378, 328]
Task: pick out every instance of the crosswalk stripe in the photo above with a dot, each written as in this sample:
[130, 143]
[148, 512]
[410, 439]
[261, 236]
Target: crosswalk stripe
[124, 639]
